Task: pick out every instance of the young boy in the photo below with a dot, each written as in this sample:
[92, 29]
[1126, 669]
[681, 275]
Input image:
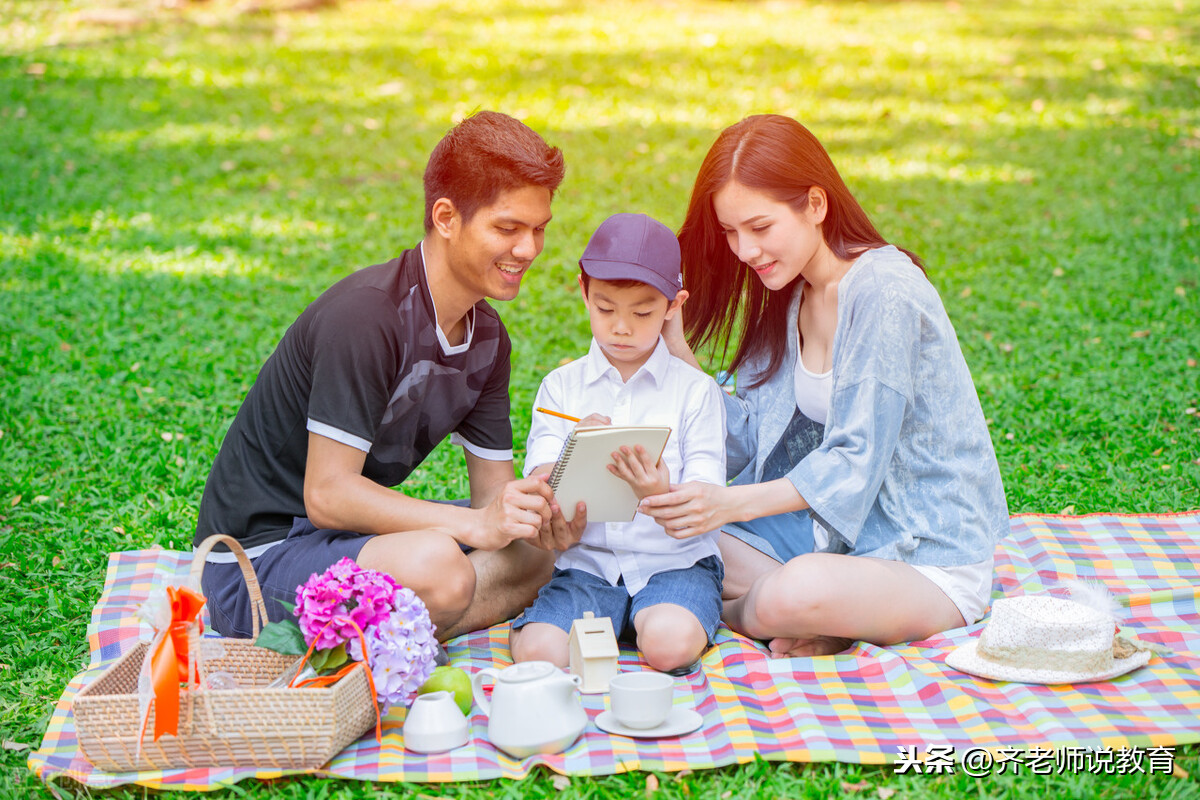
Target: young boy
[666, 590]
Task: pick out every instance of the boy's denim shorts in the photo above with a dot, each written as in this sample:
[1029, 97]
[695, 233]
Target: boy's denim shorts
[571, 592]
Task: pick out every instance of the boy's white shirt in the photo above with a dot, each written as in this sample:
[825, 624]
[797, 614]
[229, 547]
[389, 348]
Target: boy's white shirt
[664, 391]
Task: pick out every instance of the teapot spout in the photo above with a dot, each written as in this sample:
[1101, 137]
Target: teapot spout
[571, 684]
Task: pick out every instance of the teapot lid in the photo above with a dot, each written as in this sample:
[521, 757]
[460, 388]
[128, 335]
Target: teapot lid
[527, 671]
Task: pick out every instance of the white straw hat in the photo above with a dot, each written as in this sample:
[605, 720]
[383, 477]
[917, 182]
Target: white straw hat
[1043, 639]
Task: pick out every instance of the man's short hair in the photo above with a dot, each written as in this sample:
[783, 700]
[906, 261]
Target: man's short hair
[484, 155]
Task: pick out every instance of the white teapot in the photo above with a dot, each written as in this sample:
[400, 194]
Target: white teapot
[535, 708]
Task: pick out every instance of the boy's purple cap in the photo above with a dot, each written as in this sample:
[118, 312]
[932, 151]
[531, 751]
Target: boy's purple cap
[634, 247]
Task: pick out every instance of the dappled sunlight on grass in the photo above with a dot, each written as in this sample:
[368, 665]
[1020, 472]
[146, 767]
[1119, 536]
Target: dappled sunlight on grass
[899, 77]
[889, 169]
[181, 261]
[174, 135]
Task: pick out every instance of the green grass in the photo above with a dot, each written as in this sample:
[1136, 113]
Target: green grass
[173, 194]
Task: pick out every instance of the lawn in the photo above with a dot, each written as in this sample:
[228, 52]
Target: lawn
[178, 180]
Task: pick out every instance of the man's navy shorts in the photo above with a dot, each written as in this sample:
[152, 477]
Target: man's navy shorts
[280, 570]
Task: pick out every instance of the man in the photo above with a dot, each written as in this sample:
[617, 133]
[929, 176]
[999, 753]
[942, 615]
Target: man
[369, 379]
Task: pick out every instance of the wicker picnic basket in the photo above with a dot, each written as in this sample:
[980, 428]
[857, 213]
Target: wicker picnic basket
[249, 726]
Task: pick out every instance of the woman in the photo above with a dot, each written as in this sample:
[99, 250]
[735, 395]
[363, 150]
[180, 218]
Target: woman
[865, 499]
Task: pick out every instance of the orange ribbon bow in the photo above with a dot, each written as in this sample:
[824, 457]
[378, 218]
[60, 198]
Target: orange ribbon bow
[170, 659]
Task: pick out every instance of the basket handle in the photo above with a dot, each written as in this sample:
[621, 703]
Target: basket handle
[258, 608]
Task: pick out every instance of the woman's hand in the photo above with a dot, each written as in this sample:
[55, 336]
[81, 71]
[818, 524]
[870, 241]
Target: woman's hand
[676, 342]
[690, 509]
[642, 474]
[672, 332]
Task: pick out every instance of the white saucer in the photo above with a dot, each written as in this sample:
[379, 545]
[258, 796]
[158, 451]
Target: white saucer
[677, 723]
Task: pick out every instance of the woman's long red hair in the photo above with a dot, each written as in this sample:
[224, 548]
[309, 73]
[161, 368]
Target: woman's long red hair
[781, 158]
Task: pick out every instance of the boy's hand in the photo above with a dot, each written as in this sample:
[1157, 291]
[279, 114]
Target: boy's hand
[593, 421]
[558, 534]
[636, 468]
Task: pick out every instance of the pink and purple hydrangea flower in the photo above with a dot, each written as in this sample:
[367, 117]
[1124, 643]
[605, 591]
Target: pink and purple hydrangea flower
[333, 607]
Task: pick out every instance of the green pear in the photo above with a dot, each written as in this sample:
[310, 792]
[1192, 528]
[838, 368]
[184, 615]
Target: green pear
[453, 680]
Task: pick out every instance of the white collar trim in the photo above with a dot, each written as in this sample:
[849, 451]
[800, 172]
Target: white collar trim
[447, 348]
[656, 366]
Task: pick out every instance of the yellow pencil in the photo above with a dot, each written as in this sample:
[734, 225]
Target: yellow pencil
[557, 414]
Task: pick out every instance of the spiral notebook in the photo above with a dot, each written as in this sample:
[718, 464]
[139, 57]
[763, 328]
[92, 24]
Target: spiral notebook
[581, 472]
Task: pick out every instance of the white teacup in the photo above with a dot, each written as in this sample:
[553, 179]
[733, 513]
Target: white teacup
[641, 700]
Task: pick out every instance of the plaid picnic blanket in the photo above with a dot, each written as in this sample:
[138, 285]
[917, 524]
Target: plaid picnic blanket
[867, 705]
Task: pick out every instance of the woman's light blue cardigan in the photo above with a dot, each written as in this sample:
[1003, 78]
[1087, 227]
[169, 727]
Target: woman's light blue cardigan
[906, 470]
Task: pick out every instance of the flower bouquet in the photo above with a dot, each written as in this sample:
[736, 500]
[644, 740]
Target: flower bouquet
[348, 613]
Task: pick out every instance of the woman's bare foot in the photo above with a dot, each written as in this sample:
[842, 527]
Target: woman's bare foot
[782, 647]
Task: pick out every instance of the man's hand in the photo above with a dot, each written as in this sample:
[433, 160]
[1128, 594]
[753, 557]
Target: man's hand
[518, 511]
[642, 474]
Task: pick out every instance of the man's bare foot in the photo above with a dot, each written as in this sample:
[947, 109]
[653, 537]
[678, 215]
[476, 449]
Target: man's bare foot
[782, 647]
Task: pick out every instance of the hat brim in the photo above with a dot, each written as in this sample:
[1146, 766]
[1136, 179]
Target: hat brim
[624, 271]
[966, 658]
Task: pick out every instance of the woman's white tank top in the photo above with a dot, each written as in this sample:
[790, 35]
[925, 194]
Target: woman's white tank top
[813, 391]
